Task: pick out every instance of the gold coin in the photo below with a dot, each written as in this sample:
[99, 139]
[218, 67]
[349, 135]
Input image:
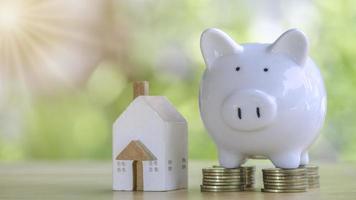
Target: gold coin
[285, 184]
[284, 177]
[285, 187]
[284, 174]
[222, 177]
[219, 168]
[248, 188]
[314, 186]
[282, 191]
[221, 190]
[271, 170]
[236, 170]
[313, 183]
[290, 180]
[248, 178]
[316, 183]
[248, 171]
[248, 174]
[221, 180]
[311, 180]
[222, 174]
[312, 167]
[220, 186]
[247, 167]
[312, 171]
[313, 177]
[204, 189]
[220, 183]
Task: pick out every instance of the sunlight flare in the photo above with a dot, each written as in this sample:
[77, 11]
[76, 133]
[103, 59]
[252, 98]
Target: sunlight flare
[50, 43]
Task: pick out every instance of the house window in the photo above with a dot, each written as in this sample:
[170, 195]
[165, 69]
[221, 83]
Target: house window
[118, 163]
[155, 162]
[183, 160]
[184, 166]
[169, 162]
[169, 168]
[119, 170]
[156, 169]
[123, 169]
[123, 163]
[150, 163]
[150, 169]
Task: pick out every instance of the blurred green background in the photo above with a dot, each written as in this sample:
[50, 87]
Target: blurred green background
[67, 67]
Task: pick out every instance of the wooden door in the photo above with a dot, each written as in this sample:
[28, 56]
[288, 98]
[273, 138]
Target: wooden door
[137, 172]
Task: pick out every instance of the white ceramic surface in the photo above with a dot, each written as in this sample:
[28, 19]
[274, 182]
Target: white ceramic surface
[261, 99]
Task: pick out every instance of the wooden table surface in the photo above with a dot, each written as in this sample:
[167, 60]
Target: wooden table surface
[90, 180]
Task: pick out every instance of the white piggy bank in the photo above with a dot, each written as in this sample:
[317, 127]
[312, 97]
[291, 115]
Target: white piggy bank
[261, 99]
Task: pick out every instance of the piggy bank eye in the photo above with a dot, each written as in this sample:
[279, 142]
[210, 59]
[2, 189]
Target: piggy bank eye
[237, 69]
[265, 69]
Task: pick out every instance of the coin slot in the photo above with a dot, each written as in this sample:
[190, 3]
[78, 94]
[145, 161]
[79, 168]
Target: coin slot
[258, 112]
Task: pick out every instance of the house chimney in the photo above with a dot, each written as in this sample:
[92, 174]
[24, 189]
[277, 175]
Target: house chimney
[140, 88]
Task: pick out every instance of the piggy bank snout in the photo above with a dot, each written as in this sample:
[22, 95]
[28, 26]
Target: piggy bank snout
[249, 110]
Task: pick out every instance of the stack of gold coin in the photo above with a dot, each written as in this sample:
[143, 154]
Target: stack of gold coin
[248, 177]
[313, 176]
[219, 179]
[284, 180]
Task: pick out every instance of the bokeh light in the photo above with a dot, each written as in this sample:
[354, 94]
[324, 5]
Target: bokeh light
[66, 67]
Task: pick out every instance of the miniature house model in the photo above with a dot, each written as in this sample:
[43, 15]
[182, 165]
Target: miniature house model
[149, 145]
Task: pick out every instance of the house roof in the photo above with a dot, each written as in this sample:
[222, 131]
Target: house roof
[136, 150]
[163, 107]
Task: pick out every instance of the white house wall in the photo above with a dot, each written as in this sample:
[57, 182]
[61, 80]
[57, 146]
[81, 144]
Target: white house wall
[154, 175]
[122, 170]
[177, 156]
[140, 122]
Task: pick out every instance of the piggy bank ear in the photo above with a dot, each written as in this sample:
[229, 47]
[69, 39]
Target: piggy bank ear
[215, 43]
[294, 44]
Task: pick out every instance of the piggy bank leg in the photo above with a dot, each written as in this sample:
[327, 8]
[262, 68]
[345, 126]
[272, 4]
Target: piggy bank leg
[287, 160]
[230, 160]
[304, 158]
